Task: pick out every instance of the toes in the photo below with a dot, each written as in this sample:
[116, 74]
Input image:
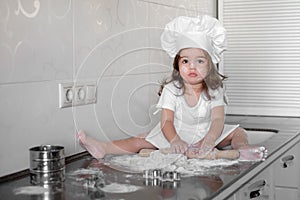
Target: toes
[80, 135]
[262, 152]
[262, 149]
[265, 154]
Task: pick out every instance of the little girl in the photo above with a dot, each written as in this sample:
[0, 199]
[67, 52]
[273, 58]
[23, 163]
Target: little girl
[192, 102]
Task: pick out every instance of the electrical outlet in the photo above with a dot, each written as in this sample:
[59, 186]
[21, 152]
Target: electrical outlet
[75, 94]
[66, 95]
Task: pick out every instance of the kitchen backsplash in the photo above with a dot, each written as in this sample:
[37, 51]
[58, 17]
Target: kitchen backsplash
[115, 43]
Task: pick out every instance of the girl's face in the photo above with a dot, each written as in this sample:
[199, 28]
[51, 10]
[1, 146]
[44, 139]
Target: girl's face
[193, 65]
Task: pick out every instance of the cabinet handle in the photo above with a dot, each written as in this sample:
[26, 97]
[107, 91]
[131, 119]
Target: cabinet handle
[257, 185]
[254, 194]
[256, 188]
[287, 160]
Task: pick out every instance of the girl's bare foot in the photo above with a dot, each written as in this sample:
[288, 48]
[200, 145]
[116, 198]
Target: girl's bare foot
[94, 147]
[252, 153]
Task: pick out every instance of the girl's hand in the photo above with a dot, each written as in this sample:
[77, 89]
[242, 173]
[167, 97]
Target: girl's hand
[202, 148]
[197, 153]
[178, 146]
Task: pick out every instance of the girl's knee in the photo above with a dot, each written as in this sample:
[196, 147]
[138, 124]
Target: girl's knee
[240, 131]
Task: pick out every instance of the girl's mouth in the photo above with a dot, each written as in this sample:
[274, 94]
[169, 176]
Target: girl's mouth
[192, 74]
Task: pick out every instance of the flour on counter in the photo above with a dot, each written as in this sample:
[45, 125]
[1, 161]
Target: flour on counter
[119, 188]
[175, 162]
[31, 190]
[83, 171]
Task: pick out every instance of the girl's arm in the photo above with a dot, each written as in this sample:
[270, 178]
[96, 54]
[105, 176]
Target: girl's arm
[217, 125]
[168, 129]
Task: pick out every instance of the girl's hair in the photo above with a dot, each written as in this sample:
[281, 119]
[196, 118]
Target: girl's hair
[213, 80]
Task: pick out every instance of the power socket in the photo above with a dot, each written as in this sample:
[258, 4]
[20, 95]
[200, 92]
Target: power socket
[75, 94]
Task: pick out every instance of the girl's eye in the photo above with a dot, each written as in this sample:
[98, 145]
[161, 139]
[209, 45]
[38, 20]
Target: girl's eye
[200, 61]
[185, 61]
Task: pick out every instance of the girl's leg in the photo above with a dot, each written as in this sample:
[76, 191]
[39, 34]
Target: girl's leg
[98, 149]
[238, 140]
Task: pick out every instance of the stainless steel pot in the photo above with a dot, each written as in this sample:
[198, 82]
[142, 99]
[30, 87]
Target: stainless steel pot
[47, 164]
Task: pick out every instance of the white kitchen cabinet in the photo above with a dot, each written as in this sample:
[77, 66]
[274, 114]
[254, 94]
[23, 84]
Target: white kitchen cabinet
[260, 187]
[279, 181]
[286, 193]
[286, 173]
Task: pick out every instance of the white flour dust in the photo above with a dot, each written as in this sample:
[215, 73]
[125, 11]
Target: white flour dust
[83, 171]
[119, 188]
[31, 190]
[90, 177]
[93, 178]
[175, 162]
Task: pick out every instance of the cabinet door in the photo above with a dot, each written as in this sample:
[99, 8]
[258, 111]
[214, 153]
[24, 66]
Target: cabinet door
[260, 187]
[286, 169]
[286, 193]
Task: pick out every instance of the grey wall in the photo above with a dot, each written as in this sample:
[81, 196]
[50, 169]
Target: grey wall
[44, 43]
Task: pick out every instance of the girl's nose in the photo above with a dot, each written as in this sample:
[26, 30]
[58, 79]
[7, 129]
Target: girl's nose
[192, 65]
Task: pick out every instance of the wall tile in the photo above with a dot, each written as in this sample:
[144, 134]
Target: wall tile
[125, 107]
[35, 41]
[200, 6]
[30, 116]
[43, 43]
[116, 33]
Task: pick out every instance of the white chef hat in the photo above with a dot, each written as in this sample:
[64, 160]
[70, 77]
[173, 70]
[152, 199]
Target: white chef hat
[203, 32]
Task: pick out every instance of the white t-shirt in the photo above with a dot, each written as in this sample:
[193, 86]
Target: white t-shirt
[191, 123]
